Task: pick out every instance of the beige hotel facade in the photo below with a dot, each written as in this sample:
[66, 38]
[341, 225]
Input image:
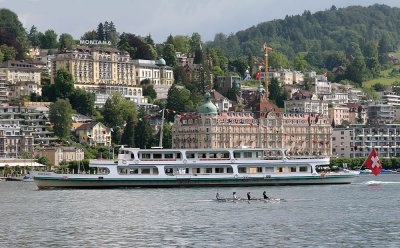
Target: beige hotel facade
[96, 68]
[301, 133]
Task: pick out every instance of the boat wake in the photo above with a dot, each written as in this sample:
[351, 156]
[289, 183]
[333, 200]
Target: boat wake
[372, 183]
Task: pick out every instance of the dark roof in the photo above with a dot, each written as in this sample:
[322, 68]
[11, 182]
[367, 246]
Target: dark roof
[88, 126]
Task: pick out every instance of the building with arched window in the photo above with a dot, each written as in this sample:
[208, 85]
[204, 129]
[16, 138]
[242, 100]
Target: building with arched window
[264, 126]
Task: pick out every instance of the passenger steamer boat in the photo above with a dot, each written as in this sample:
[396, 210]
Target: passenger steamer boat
[197, 167]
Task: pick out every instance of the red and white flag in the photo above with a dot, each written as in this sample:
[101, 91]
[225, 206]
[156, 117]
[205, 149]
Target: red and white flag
[373, 163]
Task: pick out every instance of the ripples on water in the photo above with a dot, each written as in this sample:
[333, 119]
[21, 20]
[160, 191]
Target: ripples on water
[363, 214]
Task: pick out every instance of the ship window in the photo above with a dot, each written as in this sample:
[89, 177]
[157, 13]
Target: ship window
[236, 154]
[229, 170]
[280, 169]
[303, 168]
[132, 156]
[219, 170]
[190, 155]
[269, 169]
[292, 169]
[247, 154]
[155, 171]
[157, 155]
[169, 155]
[146, 155]
[242, 169]
[134, 171]
[195, 170]
[145, 171]
[208, 170]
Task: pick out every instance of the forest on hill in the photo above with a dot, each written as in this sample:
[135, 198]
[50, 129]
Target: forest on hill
[330, 30]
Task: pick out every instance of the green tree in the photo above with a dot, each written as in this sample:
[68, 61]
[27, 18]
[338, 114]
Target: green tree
[66, 41]
[89, 35]
[12, 33]
[136, 47]
[300, 63]
[357, 69]
[48, 40]
[180, 75]
[181, 43]
[116, 111]
[44, 160]
[335, 59]
[143, 131]
[148, 89]
[82, 101]
[63, 84]
[128, 136]
[9, 53]
[277, 60]
[60, 115]
[169, 55]
[34, 37]
[100, 32]
[372, 57]
[1, 56]
[179, 100]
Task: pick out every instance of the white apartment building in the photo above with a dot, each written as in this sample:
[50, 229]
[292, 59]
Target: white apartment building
[389, 98]
[134, 94]
[384, 138]
[336, 98]
[161, 75]
[18, 71]
[307, 105]
[322, 87]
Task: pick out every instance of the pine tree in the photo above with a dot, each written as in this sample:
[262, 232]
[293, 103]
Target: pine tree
[128, 136]
[100, 31]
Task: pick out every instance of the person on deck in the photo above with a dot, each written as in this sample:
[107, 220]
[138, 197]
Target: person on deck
[235, 197]
[248, 196]
[265, 195]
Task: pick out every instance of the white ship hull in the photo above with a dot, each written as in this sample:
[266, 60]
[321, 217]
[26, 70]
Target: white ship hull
[196, 168]
[95, 181]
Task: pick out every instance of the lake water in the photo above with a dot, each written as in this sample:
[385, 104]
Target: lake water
[356, 215]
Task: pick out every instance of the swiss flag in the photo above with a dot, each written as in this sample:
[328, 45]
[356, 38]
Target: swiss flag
[373, 163]
[258, 75]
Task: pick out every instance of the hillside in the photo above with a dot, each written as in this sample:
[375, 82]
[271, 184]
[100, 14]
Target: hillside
[329, 30]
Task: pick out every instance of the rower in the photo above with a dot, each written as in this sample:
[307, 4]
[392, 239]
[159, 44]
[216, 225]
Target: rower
[217, 196]
[235, 197]
[248, 196]
[265, 195]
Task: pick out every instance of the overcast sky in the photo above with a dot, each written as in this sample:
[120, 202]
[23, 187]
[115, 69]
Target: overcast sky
[163, 17]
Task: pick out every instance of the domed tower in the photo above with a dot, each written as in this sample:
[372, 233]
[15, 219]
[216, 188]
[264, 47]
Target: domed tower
[208, 107]
[161, 62]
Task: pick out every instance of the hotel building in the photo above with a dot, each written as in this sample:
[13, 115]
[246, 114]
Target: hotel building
[92, 67]
[300, 133]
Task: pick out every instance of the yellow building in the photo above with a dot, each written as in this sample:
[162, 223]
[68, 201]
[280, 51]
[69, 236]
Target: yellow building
[61, 153]
[92, 67]
[94, 133]
[301, 134]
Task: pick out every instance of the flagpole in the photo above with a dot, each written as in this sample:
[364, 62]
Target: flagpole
[161, 129]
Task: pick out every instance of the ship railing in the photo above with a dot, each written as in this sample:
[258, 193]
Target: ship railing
[161, 159]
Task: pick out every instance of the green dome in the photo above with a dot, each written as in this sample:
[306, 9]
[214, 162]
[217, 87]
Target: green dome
[161, 62]
[208, 107]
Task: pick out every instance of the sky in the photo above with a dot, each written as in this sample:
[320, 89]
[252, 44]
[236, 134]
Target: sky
[161, 18]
